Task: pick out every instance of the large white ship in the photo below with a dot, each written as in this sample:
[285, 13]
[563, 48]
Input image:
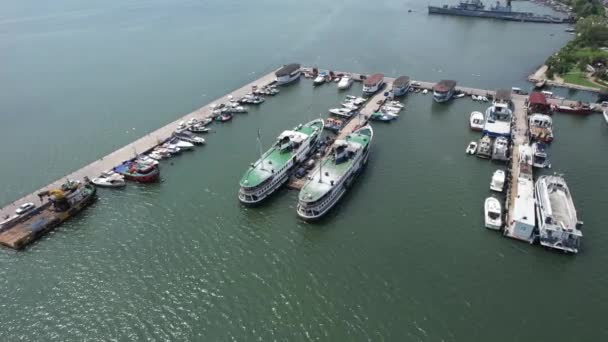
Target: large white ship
[335, 174]
[558, 225]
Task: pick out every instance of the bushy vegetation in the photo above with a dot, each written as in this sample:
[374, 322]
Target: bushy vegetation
[585, 8]
[585, 49]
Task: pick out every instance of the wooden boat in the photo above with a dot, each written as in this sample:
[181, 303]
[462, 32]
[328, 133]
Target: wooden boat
[137, 172]
[579, 108]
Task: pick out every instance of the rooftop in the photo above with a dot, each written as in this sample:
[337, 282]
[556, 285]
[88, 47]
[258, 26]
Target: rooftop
[373, 79]
[401, 81]
[444, 85]
[287, 69]
[523, 210]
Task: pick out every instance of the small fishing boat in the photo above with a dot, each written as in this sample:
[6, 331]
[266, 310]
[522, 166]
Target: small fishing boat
[500, 151]
[181, 145]
[109, 180]
[334, 125]
[345, 82]
[198, 128]
[189, 137]
[493, 213]
[540, 158]
[425, 91]
[471, 148]
[385, 117]
[345, 112]
[141, 173]
[395, 104]
[460, 95]
[498, 181]
[476, 121]
[224, 117]
[155, 156]
[541, 127]
[350, 105]
[484, 149]
[320, 79]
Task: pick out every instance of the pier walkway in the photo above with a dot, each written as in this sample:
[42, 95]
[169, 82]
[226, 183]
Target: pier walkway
[519, 137]
[129, 151]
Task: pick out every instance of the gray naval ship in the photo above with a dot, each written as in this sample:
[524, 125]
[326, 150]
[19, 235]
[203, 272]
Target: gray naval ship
[476, 8]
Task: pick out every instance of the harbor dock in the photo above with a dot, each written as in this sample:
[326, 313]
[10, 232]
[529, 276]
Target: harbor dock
[519, 137]
[9, 237]
[127, 152]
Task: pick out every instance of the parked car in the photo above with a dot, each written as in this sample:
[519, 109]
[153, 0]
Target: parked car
[24, 208]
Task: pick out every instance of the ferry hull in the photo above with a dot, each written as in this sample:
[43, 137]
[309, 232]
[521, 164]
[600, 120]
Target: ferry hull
[283, 80]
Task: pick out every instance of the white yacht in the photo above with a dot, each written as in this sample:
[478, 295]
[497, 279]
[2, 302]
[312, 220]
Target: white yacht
[476, 121]
[372, 84]
[320, 79]
[335, 174]
[401, 86]
[345, 82]
[110, 180]
[273, 168]
[498, 181]
[541, 127]
[501, 149]
[558, 224]
[493, 213]
[498, 120]
[484, 148]
[540, 157]
[443, 90]
[343, 112]
[288, 73]
[472, 148]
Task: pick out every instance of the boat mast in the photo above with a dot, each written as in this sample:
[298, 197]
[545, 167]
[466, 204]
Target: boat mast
[259, 138]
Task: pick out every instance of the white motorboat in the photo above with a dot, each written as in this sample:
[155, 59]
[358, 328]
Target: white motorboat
[606, 116]
[474, 97]
[484, 149]
[189, 137]
[395, 104]
[493, 213]
[457, 96]
[500, 150]
[558, 224]
[540, 157]
[390, 109]
[143, 159]
[198, 128]
[498, 181]
[320, 79]
[499, 115]
[155, 156]
[345, 82]
[182, 145]
[111, 181]
[349, 105]
[472, 148]
[425, 91]
[476, 121]
[342, 112]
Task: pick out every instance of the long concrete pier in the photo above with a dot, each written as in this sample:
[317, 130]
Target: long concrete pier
[129, 151]
[519, 135]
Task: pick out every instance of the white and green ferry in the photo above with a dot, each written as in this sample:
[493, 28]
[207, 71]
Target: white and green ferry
[335, 174]
[274, 167]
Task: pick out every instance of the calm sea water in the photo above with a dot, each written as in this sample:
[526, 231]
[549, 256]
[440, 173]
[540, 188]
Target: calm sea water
[403, 257]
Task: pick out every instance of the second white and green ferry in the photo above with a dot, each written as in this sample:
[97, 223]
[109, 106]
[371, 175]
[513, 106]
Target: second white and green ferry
[274, 167]
[335, 174]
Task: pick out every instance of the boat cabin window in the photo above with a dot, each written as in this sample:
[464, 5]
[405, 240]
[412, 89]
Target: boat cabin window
[493, 215]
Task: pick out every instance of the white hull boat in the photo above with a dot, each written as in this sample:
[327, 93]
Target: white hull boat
[498, 181]
[342, 112]
[493, 213]
[345, 82]
[112, 181]
[472, 148]
[606, 116]
[476, 121]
